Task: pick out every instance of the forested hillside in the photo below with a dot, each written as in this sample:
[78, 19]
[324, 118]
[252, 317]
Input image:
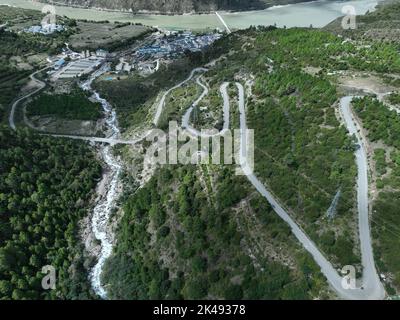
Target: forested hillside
[188, 233]
[381, 24]
[74, 105]
[179, 6]
[200, 231]
[383, 127]
[45, 191]
[303, 154]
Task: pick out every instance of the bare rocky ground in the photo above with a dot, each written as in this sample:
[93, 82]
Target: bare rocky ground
[363, 82]
[91, 244]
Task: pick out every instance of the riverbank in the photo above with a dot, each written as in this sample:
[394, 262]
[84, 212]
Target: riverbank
[169, 13]
[100, 236]
[318, 13]
[263, 5]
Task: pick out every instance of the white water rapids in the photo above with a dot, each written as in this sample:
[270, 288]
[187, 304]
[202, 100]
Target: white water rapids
[103, 208]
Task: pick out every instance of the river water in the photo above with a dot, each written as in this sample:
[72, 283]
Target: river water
[318, 13]
[102, 211]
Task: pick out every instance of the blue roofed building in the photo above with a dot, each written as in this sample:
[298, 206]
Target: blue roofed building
[59, 64]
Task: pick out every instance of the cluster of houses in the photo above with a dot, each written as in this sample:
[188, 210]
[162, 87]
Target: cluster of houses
[166, 47]
[173, 44]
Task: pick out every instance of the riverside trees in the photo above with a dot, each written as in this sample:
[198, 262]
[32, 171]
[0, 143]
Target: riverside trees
[72, 106]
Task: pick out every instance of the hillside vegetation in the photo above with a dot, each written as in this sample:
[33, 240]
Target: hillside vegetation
[45, 191]
[302, 153]
[383, 126]
[381, 24]
[72, 106]
[182, 237]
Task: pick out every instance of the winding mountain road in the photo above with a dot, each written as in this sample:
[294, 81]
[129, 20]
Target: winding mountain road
[370, 282]
[110, 141]
[370, 286]
[14, 106]
[226, 106]
[380, 96]
[161, 103]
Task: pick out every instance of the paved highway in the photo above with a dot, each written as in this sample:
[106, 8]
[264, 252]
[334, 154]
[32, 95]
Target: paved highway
[226, 106]
[14, 106]
[161, 103]
[370, 287]
[111, 141]
[371, 283]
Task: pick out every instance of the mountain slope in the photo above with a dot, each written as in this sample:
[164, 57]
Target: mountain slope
[178, 6]
[381, 24]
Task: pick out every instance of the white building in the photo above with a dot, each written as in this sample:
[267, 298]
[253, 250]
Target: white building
[101, 53]
[45, 28]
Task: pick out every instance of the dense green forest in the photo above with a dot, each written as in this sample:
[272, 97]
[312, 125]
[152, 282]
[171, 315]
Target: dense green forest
[179, 240]
[45, 190]
[72, 106]
[310, 47]
[20, 44]
[394, 98]
[11, 81]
